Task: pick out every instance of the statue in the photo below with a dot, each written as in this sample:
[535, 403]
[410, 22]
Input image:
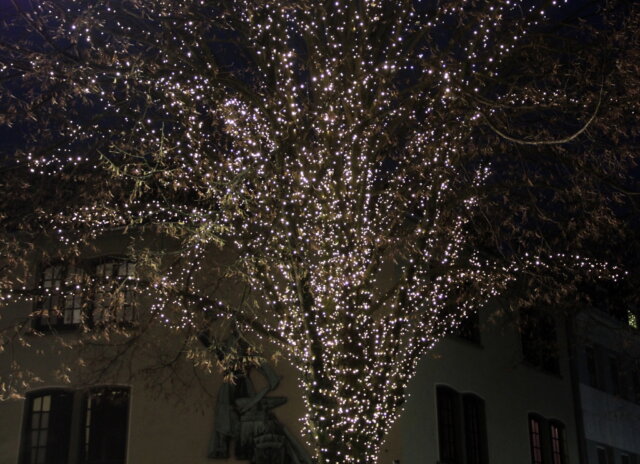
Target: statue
[244, 417]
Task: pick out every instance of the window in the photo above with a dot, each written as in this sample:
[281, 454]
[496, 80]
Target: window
[54, 420]
[535, 440]
[105, 426]
[63, 297]
[614, 375]
[611, 372]
[635, 380]
[448, 425]
[539, 341]
[47, 423]
[462, 436]
[475, 430]
[469, 328]
[592, 367]
[114, 292]
[557, 442]
[605, 455]
[94, 294]
[602, 456]
[546, 441]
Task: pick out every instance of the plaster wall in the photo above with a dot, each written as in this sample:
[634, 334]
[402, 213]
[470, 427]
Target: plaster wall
[511, 390]
[610, 420]
[171, 417]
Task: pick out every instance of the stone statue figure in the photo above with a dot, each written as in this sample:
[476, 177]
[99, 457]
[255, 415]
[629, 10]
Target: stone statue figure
[244, 417]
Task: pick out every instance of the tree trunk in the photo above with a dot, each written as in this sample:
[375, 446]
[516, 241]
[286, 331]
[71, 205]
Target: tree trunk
[343, 437]
[349, 450]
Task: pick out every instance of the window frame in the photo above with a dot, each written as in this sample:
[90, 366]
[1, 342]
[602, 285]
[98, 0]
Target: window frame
[88, 421]
[449, 434]
[124, 291]
[73, 429]
[559, 455]
[84, 281]
[472, 401]
[455, 439]
[546, 451]
[594, 370]
[611, 372]
[469, 329]
[536, 447]
[71, 284]
[539, 342]
[55, 408]
[614, 378]
[607, 452]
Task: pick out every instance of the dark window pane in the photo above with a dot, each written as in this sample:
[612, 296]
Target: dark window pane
[535, 440]
[592, 367]
[539, 341]
[49, 303]
[47, 428]
[614, 375]
[62, 297]
[602, 456]
[635, 380]
[448, 425]
[475, 430]
[106, 418]
[114, 299]
[556, 430]
[469, 328]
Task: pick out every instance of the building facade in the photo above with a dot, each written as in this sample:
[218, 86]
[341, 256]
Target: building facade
[492, 397]
[531, 388]
[606, 352]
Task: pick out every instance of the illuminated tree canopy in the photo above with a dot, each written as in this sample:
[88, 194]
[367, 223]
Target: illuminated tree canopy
[372, 171]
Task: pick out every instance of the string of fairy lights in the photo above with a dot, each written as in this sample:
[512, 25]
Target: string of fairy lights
[323, 146]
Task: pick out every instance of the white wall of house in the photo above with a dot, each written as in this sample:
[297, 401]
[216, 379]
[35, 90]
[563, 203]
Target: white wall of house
[168, 424]
[177, 427]
[610, 420]
[510, 388]
[164, 427]
[610, 408]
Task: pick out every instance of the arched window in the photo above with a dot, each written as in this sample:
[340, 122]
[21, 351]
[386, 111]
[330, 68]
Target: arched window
[94, 422]
[475, 431]
[462, 433]
[449, 430]
[47, 427]
[556, 429]
[106, 413]
[535, 439]
[546, 440]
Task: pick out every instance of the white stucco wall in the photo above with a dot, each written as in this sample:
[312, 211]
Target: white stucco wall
[511, 391]
[610, 420]
[163, 428]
